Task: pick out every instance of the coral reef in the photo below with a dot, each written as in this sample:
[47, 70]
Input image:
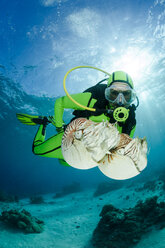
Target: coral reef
[151, 186]
[36, 200]
[22, 220]
[162, 178]
[73, 188]
[4, 197]
[124, 228]
[106, 187]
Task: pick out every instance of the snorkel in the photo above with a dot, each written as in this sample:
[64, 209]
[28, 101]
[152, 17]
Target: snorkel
[120, 114]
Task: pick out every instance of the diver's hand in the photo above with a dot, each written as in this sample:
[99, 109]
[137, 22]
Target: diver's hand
[60, 129]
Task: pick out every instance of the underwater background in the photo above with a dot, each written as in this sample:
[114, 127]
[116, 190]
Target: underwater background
[39, 42]
[60, 206]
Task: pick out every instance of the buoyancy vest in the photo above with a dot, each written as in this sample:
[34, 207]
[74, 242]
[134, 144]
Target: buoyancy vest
[97, 93]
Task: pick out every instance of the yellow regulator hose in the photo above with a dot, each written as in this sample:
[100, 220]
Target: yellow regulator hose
[64, 84]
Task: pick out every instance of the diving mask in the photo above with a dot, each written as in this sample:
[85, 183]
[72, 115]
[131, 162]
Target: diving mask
[120, 94]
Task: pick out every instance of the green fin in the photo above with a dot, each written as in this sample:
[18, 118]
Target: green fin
[30, 119]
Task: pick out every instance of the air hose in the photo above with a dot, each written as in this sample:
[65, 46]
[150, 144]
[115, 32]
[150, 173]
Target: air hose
[120, 114]
[64, 84]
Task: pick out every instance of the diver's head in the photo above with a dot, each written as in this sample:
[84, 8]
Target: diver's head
[120, 89]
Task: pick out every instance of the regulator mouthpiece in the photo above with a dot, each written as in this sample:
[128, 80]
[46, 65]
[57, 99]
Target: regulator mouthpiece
[121, 114]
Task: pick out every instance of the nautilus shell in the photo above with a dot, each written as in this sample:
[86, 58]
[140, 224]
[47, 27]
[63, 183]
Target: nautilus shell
[87, 144]
[74, 151]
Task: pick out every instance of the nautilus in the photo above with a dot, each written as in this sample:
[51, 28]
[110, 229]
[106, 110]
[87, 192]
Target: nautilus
[87, 144]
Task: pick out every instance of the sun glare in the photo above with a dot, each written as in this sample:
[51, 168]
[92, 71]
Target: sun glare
[135, 62]
[144, 95]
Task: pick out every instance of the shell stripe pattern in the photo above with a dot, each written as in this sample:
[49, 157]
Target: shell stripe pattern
[68, 136]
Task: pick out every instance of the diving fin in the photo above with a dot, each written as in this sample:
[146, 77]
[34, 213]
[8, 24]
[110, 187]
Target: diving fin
[32, 119]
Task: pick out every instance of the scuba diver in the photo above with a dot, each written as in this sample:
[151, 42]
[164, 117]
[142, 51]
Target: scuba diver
[113, 103]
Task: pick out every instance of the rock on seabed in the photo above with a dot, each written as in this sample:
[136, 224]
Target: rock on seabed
[124, 228]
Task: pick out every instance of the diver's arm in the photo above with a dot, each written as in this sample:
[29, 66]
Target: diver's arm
[131, 122]
[65, 103]
[132, 132]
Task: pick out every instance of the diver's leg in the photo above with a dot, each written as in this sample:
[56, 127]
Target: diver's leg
[50, 148]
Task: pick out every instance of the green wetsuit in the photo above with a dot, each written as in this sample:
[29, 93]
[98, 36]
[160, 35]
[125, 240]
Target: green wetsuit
[93, 97]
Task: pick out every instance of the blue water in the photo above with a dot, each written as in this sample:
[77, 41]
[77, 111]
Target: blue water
[39, 42]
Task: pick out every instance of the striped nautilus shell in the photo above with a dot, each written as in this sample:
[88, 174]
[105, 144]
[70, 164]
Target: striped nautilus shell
[87, 144]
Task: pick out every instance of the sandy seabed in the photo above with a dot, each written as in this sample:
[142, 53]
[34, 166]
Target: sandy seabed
[71, 220]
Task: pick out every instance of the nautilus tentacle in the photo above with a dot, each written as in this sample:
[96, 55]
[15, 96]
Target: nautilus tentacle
[100, 138]
[87, 144]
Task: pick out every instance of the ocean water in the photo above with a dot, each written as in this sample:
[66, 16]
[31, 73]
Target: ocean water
[39, 42]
